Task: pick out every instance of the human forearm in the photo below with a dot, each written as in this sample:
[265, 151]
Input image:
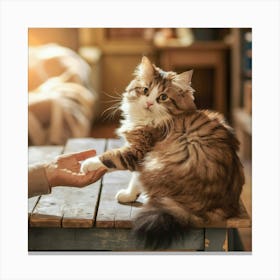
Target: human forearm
[37, 180]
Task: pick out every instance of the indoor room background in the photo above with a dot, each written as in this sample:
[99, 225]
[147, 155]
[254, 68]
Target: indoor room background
[99, 63]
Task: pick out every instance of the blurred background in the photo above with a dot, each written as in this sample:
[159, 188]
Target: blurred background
[76, 75]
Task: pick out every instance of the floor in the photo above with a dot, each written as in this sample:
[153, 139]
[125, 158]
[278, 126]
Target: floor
[107, 131]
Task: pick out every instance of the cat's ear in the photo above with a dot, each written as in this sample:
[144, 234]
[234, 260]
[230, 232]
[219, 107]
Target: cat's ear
[183, 80]
[145, 69]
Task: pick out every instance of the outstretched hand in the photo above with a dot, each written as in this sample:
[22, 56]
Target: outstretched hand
[65, 170]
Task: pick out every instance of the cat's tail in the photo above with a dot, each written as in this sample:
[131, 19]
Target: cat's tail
[160, 223]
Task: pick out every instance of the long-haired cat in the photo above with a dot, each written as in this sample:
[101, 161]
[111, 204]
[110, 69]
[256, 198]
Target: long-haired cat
[184, 159]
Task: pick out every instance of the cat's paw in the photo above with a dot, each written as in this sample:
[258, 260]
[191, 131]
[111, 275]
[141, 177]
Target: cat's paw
[91, 164]
[125, 196]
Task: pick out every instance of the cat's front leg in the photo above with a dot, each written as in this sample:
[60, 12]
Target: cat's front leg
[124, 158]
[131, 193]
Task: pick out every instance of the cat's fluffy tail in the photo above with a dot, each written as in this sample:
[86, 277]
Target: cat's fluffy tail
[160, 223]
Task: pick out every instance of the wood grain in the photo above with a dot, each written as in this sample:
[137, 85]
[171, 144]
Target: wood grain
[99, 239]
[40, 154]
[216, 239]
[81, 204]
[43, 154]
[57, 221]
[110, 212]
[49, 209]
[69, 206]
[32, 201]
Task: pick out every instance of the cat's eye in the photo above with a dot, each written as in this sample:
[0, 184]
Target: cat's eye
[145, 90]
[163, 97]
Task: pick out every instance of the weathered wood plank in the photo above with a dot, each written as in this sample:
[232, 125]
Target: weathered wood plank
[216, 239]
[99, 239]
[234, 240]
[72, 207]
[80, 206]
[40, 154]
[80, 209]
[107, 206]
[32, 201]
[110, 212]
[122, 218]
[49, 210]
[68, 206]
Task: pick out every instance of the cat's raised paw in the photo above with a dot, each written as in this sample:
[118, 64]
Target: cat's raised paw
[91, 164]
[125, 196]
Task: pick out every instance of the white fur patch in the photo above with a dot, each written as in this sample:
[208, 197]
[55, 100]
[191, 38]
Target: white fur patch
[136, 114]
[153, 163]
[133, 190]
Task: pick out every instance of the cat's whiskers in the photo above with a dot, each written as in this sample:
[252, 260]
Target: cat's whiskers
[110, 112]
[117, 97]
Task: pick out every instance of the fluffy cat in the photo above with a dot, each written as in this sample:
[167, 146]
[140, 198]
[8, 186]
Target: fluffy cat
[184, 159]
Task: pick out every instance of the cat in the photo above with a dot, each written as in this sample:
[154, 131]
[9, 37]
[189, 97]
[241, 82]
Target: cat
[184, 159]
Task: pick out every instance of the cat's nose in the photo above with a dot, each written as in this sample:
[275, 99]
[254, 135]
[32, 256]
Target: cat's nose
[149, 104]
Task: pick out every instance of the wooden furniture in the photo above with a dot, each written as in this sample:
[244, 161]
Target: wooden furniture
[241, 99]
[90, 218]
[201, 55]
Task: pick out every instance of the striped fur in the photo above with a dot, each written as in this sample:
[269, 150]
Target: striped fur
[186, 157]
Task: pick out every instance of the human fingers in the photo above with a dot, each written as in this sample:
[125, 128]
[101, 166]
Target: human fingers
[79, 156]
[90, 177]
[67, 178]
[84, 154]
[96, 174]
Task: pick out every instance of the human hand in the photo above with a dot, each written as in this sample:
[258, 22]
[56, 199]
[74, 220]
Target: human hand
[65, 170]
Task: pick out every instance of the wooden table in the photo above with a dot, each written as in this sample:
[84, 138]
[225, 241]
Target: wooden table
[90, 218]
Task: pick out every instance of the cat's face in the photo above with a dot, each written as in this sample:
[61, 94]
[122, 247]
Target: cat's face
[154, 94]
